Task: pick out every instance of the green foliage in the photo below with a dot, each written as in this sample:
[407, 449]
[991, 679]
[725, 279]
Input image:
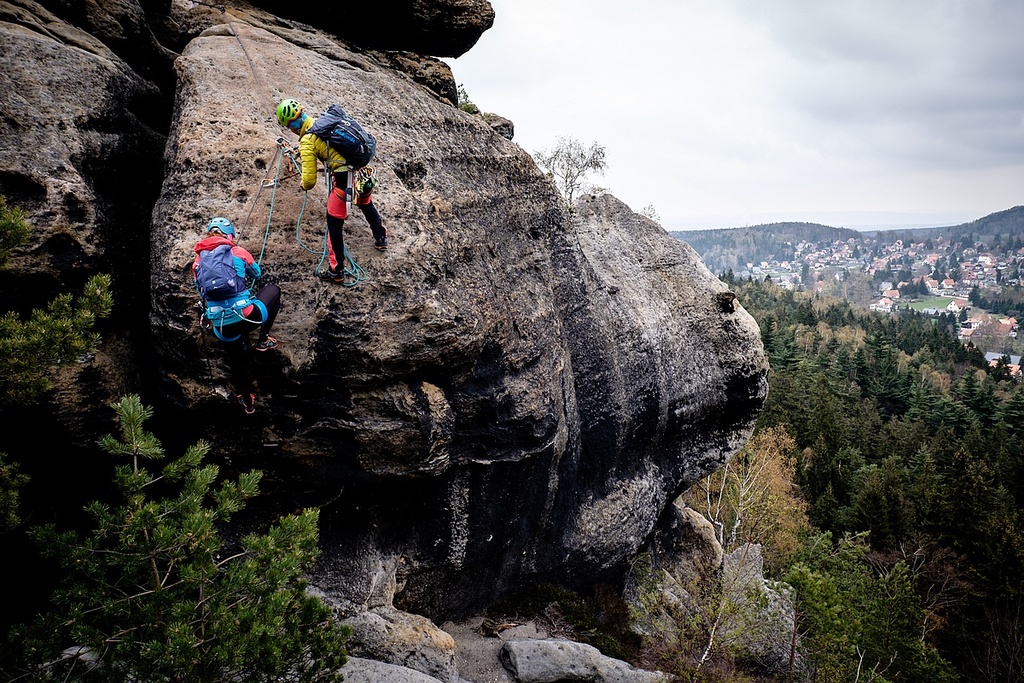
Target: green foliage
[568, 164]
[907, 437]
[14, 229]
[752, 500]
[11, 481]
[152, 594]
[465, 104]
[856, 625]
[59, 335]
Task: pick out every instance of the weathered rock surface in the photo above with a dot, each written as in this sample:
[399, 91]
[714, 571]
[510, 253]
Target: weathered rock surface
[442, 28]
[363, 670]
[414, 642]
[514, 392]
[550, 661]
[63, 155]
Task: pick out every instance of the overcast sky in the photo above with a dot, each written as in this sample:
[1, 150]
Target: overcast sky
[726, 113]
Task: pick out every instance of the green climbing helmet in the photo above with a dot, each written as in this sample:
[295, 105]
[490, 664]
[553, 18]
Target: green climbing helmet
[222, 224]
[287, 111]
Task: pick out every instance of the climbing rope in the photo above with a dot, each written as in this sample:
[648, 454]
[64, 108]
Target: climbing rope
[252, 66]
[264, 184]
[354, 273]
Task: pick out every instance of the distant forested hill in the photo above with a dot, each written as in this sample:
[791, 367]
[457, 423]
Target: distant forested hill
[1005, 224]
[1009, 223]
[726, 248]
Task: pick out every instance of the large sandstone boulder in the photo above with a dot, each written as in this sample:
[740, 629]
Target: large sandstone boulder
[362, 670]
[551, 661]
[513, 392]
[389, 635]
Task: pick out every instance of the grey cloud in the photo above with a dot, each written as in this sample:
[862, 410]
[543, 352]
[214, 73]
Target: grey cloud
[936, 83]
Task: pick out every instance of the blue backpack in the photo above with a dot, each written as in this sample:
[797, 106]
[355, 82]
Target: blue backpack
[347, 137]
[216, 277]
[225, 295]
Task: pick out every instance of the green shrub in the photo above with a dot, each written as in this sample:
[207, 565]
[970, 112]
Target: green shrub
[152, 594]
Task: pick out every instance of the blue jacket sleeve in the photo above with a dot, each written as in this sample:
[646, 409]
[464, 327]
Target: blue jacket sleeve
[245, 264]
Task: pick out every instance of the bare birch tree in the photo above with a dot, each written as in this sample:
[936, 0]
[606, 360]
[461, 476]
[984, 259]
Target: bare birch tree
[568, 164]
[751, 499]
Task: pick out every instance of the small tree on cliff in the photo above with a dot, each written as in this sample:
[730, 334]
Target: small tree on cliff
[569, 164]
[151, 595]
[56, 336]
[752, 500]
[13, 229]
[29, 347]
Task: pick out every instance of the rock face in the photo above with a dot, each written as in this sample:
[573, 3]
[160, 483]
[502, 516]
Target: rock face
[442, 28]
[513, 392]
[74, 117]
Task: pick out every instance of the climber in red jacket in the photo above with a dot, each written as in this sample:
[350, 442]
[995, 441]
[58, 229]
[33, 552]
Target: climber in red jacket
[232, 310]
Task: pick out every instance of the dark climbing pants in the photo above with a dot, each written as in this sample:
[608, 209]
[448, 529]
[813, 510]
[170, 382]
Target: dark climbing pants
[239, 351]
[337, 212]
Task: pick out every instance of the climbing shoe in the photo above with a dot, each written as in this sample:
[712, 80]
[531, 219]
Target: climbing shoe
[266, 344]
[380, 242]
[330, 275]
[248, 402]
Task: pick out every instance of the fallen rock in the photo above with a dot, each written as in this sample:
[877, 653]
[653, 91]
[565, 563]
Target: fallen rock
[360, 670]
[550, 660]
[409, 640]
[478, 644]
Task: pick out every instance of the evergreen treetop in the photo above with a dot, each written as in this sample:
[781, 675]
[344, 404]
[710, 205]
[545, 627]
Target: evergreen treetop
[151, 593]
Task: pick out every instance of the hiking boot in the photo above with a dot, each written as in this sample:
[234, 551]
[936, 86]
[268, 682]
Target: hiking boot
[248, 402]
[331, 275]
[380, 242]
[266, 344]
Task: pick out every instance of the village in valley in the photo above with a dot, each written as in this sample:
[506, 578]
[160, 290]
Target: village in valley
[934, 276]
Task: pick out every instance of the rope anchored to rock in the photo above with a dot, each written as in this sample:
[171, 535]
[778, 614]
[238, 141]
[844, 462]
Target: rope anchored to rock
[284, 167]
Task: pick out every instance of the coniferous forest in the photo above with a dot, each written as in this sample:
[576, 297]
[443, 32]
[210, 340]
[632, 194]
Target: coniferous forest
[906, 456]
[884, 482]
